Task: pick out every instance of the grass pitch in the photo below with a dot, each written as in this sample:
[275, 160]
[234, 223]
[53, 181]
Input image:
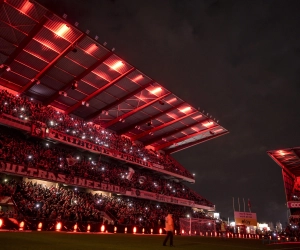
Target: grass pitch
[79, 241]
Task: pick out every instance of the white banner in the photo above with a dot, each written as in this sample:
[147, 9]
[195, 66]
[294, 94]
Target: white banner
[62, 178]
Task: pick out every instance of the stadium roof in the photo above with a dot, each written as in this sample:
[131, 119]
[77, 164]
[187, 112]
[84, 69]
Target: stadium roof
[44, 57]
[288, 159]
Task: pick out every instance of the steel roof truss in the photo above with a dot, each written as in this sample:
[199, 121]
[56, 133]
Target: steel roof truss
[118, 101]
[25, 41]
[162, 126]
[173, 132]
[42, 72]
[125, 115]
[144, 121]
[79, 77]
[98, 91]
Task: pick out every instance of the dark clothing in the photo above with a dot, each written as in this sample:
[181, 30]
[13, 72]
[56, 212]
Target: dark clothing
[169, 235]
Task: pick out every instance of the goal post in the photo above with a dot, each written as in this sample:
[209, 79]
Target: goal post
[196, 226]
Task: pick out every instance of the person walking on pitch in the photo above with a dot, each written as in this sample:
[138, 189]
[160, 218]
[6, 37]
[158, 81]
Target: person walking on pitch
[169, 229]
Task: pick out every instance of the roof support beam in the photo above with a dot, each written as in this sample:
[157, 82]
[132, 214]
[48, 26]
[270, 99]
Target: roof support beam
[98, 91]
[44, 70]
[25, 41]
[77, 78]
[157, 138]
[190, 144]
[281, 165]
[125, 130]
[162, 126]
[119, 101]
[169, 143]
[124, 116]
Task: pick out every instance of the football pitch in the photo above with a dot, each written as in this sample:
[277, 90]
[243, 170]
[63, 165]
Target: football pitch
[86, 241]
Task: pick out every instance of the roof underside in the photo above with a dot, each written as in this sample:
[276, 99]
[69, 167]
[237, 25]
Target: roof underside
[288, 159]
[44, 57]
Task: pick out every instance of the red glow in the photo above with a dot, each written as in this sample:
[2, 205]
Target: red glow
[136, 79]
[88, 228]
[102, 228]
[172, 100]
[62, 30]
[134, 230]
[160, 231]
[1, 223]
[156, 90]
[91, 48]
[40, 226]
[26, 7]
[21, 225]
[36, 55]
[281, 152]
[117, 65]
[47, 45]
[125, 229]
[195, 129]
[102, 75]
[58, 226]
[197, 117]
[218, 130]
[173, 116]
[185, 109]
[208, 124]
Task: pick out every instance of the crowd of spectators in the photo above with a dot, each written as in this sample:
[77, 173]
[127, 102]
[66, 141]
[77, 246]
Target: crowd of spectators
[59, 203]
[292, 229]
[65, 203]
[7, 189]
[26, 109]
[18, 148]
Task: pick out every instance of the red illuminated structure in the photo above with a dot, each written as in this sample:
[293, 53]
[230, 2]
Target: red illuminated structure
[57, 64]
[45, 58]
[289, 160]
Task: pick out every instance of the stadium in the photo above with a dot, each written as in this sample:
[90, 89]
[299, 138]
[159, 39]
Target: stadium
[94, 129]
[86, 140]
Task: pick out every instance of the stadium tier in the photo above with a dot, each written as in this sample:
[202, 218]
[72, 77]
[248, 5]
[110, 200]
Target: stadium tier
[75, 115]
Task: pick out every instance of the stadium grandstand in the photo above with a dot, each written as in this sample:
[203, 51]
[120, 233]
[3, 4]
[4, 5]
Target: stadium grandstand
[289, 161]
[85, 137]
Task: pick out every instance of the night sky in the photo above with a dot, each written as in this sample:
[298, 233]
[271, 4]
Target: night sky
[237, 60]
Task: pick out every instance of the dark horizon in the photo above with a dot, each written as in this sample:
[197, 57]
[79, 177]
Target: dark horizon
[237, 60]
